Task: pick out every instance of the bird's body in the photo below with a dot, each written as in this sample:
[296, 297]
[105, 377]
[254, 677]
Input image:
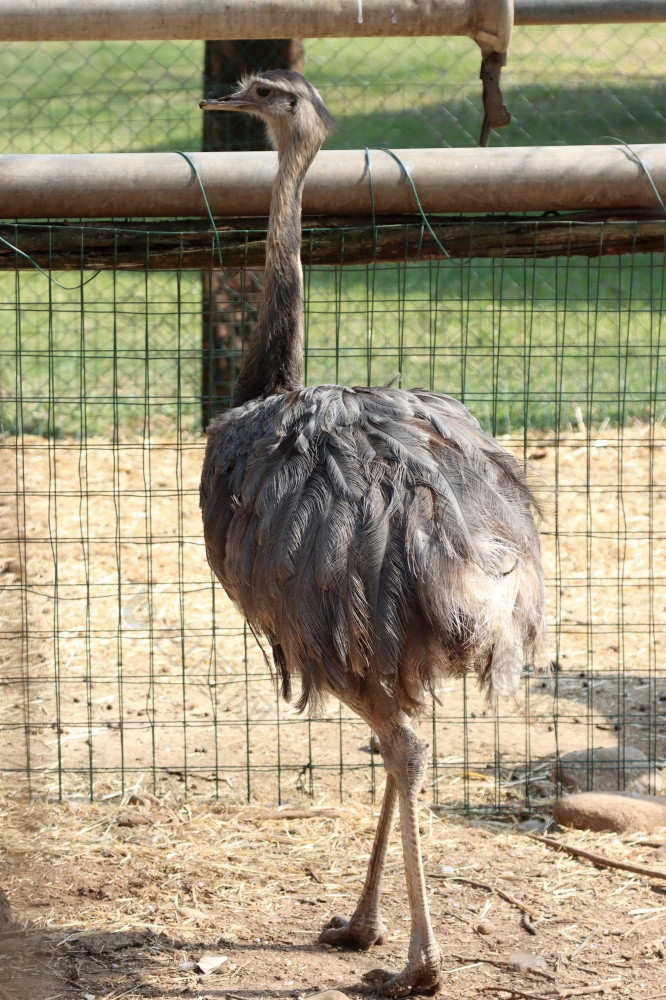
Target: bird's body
[373, 532]
[377, 537]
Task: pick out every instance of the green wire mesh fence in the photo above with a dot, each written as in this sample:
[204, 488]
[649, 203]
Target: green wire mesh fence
[121, 663]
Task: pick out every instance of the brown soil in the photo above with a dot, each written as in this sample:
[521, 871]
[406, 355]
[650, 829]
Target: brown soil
[119, 901]
[115, 900]
[118, 681]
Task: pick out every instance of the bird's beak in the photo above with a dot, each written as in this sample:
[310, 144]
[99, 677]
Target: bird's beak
[234, 102]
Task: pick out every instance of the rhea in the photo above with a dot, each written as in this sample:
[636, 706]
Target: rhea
[377, 537]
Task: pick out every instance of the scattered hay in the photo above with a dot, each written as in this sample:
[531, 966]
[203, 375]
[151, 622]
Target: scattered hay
[128, 911]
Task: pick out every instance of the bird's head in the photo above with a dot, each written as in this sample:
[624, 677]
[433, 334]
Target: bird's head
[289, 105]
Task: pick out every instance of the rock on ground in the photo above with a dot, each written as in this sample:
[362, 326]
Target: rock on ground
[618, 813]
[608, 769]
[525, 961]
[328, 995]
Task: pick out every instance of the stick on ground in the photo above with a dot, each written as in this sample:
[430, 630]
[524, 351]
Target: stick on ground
[583, 991]
[490, 888]
[599, 859]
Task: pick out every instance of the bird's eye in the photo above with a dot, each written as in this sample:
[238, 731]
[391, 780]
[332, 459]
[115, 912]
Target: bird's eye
[263, 91]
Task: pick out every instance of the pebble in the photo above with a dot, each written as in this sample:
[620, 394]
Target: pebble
[209, 963]
[135, 819]
[524, 961]
[533, 825]
[485, 927]
[328, 995]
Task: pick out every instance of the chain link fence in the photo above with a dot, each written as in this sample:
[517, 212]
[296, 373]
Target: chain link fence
[564, 84]
[120, 662]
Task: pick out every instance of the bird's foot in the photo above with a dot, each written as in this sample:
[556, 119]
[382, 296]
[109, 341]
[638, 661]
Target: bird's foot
[417, 977]
[354, 933]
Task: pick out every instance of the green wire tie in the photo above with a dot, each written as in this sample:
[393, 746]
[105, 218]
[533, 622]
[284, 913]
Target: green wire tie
[67, 288]
[403, 167]
[195, 168]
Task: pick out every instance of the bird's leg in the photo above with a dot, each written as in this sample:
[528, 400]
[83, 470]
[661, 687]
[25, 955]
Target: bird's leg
[405, 758]
[365, 928]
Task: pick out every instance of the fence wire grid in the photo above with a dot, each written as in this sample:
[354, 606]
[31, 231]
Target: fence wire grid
[121, 663]
[562, 84]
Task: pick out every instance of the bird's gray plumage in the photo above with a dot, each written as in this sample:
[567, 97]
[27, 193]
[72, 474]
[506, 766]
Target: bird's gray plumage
[377, 537]
[373, 530]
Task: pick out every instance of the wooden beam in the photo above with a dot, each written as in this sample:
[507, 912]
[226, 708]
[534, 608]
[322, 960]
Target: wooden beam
[163, 246]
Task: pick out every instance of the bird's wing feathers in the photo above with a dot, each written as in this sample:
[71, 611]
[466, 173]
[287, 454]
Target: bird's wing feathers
[338, 518]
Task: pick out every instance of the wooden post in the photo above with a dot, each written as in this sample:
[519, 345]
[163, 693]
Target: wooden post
[230, 299]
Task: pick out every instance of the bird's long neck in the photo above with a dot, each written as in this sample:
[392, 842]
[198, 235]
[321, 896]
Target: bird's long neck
[273, 359]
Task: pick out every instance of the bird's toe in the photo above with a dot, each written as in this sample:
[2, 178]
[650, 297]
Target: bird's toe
[413, 979]
[355, 933]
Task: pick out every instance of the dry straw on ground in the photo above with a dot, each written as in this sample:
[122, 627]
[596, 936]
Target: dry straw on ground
[123, 900]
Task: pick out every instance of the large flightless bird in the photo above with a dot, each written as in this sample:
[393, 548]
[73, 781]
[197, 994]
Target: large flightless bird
[377, 537]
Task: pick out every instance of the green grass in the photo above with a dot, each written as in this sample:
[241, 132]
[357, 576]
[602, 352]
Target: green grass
[522, 343]
[566, 85]
[532, 344]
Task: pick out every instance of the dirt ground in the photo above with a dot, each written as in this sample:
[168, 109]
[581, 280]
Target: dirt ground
[124, 900]
[114, 678]
[114, 684]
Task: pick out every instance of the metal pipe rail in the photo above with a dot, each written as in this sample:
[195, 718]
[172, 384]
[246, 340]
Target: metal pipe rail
[153, 185]
[545, 12]
[487, 21]
[106, 20]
